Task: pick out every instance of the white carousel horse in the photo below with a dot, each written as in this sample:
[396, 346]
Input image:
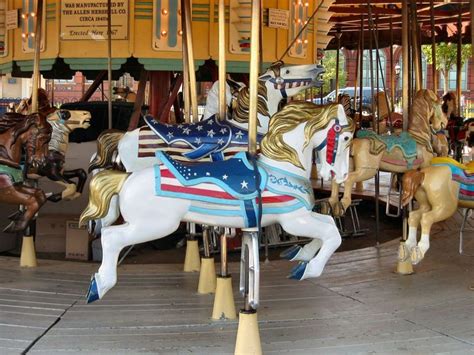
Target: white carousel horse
[153, 201]
[135, 150]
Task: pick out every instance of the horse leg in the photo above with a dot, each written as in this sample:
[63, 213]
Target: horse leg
[334, 198]
[415, 217]
[114, 239]
[358, 175]
[81, 176]
[440, 212]
[18, 195]
[316, 226]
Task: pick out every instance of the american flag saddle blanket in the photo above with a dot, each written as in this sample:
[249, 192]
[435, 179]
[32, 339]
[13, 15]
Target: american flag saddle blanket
[229, 188]
[204, 139]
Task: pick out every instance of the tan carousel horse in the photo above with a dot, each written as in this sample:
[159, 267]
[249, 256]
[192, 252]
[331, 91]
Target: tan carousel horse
[397, 154]
[440, 190]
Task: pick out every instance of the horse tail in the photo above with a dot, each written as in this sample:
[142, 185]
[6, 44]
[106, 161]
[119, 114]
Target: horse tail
[410, 183]
[102, 187]
[107, 144]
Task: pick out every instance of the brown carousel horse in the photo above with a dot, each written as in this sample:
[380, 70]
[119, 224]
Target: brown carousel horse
[17, 132]
[63, 122]
[397, 154]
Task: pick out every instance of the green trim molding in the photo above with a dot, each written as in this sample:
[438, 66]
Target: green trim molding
[6, 68]
[27, 65]
[93, 63]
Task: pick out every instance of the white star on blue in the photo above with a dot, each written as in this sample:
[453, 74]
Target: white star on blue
[211, 133]
[239, 135]
[170, 135]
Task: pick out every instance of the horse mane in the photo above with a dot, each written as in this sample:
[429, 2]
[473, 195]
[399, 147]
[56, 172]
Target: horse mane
[241, 112]
[296, 112]
[18, 123]
[450, 96]
[419, 123]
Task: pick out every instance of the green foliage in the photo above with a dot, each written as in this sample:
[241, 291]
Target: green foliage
[329, 77]
[446, 55]
[329, 63]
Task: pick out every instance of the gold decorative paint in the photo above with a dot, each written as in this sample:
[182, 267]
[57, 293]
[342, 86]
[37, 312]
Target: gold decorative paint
[316, 118]
[107, 143]
[102, 187]
[241, 112]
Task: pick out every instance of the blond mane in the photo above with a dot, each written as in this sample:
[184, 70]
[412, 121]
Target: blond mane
[295, 113]
[241, 112]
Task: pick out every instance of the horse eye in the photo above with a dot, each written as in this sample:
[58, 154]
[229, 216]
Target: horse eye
[287, 71]
[346, 138]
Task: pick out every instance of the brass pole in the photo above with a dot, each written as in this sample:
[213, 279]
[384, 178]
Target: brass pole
[190, 62]
[416, 47]
[406, 64]
[109, 60]
[338, 38]
[224, 269]
[361, 70]
[434, 72]
[472, 28]
[459, 62]
[253, 82]
[36, 63]
[222, 62]
[392, 69]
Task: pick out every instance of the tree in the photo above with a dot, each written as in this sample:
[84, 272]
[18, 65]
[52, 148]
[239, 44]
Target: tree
[329, 77]
[446, 55]
[329, 63]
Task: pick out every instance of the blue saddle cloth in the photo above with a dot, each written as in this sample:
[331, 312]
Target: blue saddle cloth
[229, 182]
[205, 138]
[403, 141]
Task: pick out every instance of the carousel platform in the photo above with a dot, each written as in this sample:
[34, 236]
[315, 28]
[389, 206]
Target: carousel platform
[359, 305]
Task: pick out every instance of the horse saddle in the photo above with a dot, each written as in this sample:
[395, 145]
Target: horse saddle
[205, 138]
[232, 182]
[462, 174]
[404, 142]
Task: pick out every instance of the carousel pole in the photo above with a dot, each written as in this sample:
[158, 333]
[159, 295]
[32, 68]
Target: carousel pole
[392, 73]
[416, 50]
[224, 307]
[359, 187]
[459, 62]
[190, 59]
[433, 49]
[109, 62]
[248, 336]
[404, 265]
[192, 259]
[338, 41]
[28, 253]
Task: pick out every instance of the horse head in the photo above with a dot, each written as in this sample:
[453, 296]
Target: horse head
[289, 80]
[70, 119]
[449, 104]
[333, 152]
[302, 127]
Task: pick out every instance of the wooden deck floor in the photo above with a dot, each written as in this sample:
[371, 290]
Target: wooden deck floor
[358, 306]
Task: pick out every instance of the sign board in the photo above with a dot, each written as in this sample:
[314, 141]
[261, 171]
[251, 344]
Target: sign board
[278, 18]
[11, 19]
[87, 19]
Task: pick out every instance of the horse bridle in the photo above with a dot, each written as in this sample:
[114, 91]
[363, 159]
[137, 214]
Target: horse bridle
[331, 142]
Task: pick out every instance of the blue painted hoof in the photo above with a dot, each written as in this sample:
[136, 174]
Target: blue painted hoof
[92, 293]
[298, 271]
[290, 253]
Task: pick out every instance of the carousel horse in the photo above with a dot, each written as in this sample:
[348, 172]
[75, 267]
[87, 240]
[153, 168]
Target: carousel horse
[439, 189]
[459, 131]
[397, 154]
[63, 122]
[30, 133]
[227, 193]
[136, 149]
[124, 94]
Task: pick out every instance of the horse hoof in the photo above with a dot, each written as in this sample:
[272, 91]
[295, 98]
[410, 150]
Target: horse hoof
[416, 255]
[92, 292]
[298, 271]
[290, 253]
[14, 227]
